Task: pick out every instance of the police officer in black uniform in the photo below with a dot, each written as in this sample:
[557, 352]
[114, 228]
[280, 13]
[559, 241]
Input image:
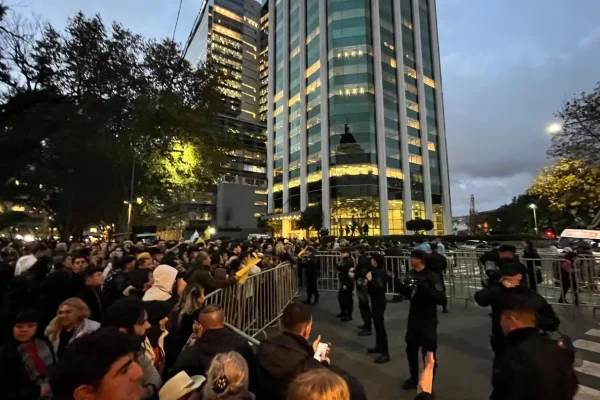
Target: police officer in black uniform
[311, 264]
[378, 280]
[533, 366]
[507, 282]
[360, 274]
[425, 291]
[346, 292]
[438, 263]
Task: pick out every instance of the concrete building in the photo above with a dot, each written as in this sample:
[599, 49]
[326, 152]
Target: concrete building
[227, 33]
[355, 114]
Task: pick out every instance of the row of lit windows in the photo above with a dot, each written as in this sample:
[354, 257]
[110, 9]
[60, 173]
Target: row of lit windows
[227, 61]
[251, 22]
[227, 13]
[313, 86]
[351, 90]
[226, 50]
[227, 32]
[411, 105]
[414, 123]
[226, 41]
[313, 68]
[358, 169]
[294, 100]
[410, 72]
[415, 159]
[312, 35]
[230, 92]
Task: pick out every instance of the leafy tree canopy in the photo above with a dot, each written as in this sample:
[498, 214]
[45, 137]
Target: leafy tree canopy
[419, 225]
[81, 107]
[312, 218]
[570, 186]
[579, 138]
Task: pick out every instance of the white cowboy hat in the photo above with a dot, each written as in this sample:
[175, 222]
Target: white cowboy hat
[180, 385]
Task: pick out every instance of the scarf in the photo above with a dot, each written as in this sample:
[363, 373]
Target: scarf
[36, 356]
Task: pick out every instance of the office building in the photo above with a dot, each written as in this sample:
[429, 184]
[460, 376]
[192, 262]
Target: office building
[227, 33]
[355, 115]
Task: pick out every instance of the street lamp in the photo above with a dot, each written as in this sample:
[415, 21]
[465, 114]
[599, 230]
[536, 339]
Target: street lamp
[534, 207]
[554, 128]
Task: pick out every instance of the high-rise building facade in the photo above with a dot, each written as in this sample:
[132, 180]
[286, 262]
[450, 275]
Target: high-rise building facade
[355, 114]
[227, 33]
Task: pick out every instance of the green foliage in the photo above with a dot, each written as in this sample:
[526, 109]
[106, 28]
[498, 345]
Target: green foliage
[312, 218]
[579, 138]
[80, 108]
[419, 226]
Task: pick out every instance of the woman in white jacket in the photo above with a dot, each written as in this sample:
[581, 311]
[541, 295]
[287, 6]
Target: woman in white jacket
[71, 322]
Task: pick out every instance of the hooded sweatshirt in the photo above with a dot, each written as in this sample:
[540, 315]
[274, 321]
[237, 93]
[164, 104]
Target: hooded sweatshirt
[164, 278]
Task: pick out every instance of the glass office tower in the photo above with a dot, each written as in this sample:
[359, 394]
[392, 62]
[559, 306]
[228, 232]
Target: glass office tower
[355, 114]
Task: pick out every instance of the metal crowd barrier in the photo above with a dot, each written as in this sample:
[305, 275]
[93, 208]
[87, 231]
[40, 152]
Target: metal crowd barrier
[465, 276]
[257, 304]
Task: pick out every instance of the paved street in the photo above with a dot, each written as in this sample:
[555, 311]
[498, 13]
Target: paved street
[465, 358]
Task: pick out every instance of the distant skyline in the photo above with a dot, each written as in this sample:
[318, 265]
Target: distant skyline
[507, 66]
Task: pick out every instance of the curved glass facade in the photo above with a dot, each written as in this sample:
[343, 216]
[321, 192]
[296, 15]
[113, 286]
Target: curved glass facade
[400, 38]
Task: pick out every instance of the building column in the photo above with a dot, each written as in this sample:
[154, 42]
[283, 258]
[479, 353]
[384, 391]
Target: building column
[439, 101]
[406, 191]
[303, 138]
[379, 119]
[270, 95]
[422, 111]
[325, 189]
[286, 108]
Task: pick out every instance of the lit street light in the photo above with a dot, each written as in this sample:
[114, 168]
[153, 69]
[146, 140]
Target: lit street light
[534, 207]
[554, 128]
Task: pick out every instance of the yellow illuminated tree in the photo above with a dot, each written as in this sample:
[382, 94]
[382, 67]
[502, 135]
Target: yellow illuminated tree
[569, 185]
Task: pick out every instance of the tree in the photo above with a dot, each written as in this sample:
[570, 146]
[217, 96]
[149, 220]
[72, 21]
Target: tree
[81, 109]
[311, 218]
[579, 138]
[569, 186]
[419, 226]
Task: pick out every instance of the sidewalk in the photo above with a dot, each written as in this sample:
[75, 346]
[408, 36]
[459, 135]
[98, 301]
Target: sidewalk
[464, 354]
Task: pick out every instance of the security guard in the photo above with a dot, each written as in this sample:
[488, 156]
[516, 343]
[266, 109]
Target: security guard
[311, 264]
[438, 264]
[425, 291]
[498, 294]
[378, 280]
[534, 366]
[345, 294]
[362, 269]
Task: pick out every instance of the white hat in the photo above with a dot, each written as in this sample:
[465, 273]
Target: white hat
[180, 385]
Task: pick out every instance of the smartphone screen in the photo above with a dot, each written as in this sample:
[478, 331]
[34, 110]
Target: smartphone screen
[322, 349]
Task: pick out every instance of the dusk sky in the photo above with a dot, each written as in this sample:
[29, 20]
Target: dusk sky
[507, 66]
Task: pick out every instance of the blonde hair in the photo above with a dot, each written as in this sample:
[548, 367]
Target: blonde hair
[81, 309]
[318, 384]
[279, 248]
[230, 368]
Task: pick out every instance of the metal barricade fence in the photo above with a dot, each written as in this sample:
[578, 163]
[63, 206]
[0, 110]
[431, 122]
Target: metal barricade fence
[258, 303]
[465, 276]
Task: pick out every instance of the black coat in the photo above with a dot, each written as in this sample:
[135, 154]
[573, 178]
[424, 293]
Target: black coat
[343, 268]
[196, 359]
[495, 296]
[93, 298]
[286, 356]
[15, 383]
[424, 299]
[201, 275]
[534, 367]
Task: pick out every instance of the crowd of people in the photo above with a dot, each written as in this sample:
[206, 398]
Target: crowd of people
[129, 321]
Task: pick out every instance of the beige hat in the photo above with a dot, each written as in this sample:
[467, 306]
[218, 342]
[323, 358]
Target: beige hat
[180, 385]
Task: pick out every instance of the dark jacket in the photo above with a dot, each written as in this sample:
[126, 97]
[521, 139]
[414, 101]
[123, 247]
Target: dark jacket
[286, 356]
[196, 359]
[201, 275]
[113, 288]
[377, 286]
[15, 383]
[495, 296]
[436, 262]
[363, 266]
[534, 367]
[311, 264]
[93, 298]
[343, 268]
[428, 294]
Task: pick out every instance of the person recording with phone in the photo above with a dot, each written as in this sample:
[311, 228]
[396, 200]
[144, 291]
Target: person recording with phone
[378, 279]
[425, 292]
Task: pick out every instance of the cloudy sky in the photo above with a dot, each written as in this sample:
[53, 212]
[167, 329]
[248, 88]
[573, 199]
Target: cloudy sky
[507, 66]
